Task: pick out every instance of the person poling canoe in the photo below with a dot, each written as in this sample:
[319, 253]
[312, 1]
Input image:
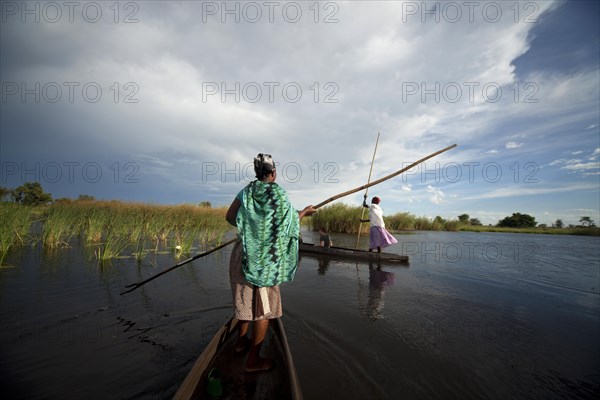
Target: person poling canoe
[304, 212]
[378, 236]
[265, 255]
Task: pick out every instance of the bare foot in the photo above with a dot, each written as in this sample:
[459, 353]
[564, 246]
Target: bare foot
[263, 364]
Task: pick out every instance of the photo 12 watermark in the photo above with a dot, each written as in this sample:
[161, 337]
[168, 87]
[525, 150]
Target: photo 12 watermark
[472, 252]
[68, 333]
[69, 92]
[69, 172]
[467, 333]
[290, 172]
[269, 92]
[455, 92]
[453, 12]
[53, 12]
[472, 171]
[253, 12]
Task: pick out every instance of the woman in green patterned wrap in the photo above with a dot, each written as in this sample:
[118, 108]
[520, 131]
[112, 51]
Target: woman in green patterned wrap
[265, 255]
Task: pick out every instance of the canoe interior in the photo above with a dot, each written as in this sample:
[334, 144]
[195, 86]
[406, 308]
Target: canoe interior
[342, 252]
[279, 383]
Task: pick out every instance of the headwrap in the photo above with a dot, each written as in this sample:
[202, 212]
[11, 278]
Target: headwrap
[263, 165]
[375, 200]
[269, 228]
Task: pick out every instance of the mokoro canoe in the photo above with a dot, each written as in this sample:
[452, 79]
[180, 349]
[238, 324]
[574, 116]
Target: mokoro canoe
[279, 383]
[309, 248]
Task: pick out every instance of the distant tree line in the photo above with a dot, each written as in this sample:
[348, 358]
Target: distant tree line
[32, 194]
[28, 194]
[518, 220]
[465, 219]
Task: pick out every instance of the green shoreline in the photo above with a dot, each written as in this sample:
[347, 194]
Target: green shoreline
[343, 218]
[595, 231]
[585, 231]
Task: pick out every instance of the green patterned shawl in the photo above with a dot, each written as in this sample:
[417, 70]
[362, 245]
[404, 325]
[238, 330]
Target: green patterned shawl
[269, 228]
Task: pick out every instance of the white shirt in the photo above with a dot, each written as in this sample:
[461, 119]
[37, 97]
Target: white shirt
[376, 216]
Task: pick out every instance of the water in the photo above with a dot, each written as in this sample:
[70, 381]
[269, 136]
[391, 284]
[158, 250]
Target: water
[474, 315]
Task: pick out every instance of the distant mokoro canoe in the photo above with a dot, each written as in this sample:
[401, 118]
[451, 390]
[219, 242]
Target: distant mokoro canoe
[311, 249]
[279, 383]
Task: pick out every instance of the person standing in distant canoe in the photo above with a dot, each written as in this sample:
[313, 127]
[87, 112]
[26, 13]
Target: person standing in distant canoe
[265, 256]
[378, 236]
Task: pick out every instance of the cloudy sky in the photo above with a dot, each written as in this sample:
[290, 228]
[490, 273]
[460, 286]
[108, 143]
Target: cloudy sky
[168, 102]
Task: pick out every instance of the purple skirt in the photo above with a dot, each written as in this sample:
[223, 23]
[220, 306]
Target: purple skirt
[379, 237]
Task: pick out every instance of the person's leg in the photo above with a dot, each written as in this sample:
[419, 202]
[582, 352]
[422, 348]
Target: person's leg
[379, 249]
[254, 362]
[243, 340]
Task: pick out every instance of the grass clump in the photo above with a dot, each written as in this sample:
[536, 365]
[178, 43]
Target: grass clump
[15, 221]
[339, 218]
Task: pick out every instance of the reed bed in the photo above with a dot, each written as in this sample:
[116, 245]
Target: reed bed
[343, 218]
[60, 225]
[15, 221]
[115, 229]
[340, 218]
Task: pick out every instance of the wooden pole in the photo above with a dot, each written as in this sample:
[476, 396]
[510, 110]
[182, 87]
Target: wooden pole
[367, 191]
[134, 286]
[385, 178]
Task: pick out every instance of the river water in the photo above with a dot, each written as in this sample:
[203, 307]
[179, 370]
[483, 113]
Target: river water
[474, 315]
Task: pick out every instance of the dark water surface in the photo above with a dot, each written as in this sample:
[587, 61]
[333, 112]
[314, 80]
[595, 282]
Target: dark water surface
[474, 315]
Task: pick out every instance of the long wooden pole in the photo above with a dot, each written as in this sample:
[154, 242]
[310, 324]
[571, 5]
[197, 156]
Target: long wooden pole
[385, 178]
[367, 191]
[134, 286]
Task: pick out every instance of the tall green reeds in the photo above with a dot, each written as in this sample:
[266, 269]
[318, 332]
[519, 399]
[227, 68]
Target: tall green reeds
[115, 229]
[193, 223]
[14, 226]
[165, 226]
[340, 218]
[61, 223]
[343, 218]
[401, 222]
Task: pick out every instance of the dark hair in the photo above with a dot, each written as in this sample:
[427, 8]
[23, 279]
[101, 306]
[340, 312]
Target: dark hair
[263, 166]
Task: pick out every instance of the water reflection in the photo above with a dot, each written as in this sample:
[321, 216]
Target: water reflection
[379, 280]
[323, 265]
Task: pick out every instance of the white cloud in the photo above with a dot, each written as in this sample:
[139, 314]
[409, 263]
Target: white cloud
[582, 166]
[513, 145]
[437, 196]
[577, 165]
